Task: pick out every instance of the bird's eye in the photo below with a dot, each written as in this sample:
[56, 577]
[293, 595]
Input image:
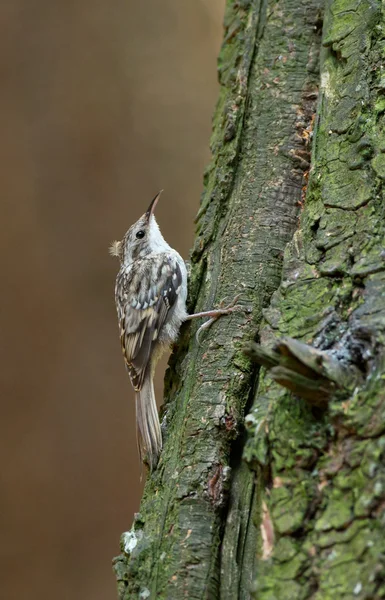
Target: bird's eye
[140, 234]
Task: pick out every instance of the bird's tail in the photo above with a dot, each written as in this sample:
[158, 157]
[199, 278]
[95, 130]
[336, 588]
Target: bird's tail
[148, 430]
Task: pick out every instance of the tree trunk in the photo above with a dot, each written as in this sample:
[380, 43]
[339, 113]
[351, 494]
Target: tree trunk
[295, 509]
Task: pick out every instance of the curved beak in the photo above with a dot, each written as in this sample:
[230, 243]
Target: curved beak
[151, 208]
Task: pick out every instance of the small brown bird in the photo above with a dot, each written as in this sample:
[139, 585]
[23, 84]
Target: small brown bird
[150, 296]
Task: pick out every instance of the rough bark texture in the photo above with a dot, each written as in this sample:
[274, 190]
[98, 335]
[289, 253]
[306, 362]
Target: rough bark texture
[323, 471]
[304, 518]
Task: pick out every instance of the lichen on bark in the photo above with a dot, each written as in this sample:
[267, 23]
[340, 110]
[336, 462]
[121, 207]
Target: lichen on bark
[323, 471]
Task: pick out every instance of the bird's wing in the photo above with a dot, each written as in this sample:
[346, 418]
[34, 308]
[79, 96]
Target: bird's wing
[145, 295]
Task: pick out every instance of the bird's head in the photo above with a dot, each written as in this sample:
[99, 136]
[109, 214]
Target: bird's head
[142, 238]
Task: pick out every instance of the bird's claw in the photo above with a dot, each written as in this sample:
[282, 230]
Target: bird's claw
[217, 313]
[232, 304]
[206, 325]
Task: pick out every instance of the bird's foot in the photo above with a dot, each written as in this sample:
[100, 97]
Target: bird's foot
[215, 314]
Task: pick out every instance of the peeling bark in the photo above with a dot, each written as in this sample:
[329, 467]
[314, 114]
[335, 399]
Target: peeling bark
[302, 516]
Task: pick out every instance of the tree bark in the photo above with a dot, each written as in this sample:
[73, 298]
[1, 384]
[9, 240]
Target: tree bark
[295, 509]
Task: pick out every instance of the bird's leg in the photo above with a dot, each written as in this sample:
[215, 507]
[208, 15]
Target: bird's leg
[215, 314]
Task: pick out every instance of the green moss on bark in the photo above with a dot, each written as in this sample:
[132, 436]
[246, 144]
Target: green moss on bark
[327, 505]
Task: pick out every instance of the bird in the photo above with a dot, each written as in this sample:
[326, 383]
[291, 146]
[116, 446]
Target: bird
[150, 297]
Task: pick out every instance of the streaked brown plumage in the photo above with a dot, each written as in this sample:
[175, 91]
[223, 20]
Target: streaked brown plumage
[150, 295]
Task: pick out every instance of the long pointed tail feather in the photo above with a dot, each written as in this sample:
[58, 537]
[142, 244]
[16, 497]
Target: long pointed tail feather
[148, 430]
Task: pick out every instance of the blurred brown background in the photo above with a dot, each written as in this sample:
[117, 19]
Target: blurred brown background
[102, 103]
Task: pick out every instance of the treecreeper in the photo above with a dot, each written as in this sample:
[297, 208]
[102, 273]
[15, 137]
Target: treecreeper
[150, 296]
